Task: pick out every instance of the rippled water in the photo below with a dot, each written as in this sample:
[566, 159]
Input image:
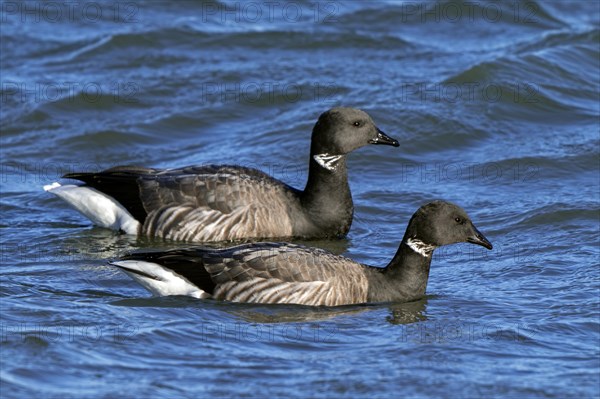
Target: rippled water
[496, 106]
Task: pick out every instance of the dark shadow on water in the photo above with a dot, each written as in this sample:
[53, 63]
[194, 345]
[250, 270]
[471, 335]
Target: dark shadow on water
[295, 313]
[407, 313]
[94, 243]
[116, 244]
[250, 312]
[400, 313]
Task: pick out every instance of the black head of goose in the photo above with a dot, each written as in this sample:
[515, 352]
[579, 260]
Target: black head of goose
[327, 199]
[227, 202]
[294, 274]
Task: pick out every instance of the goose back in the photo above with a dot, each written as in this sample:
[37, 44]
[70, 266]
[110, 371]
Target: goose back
[265, 273]
[218, 203]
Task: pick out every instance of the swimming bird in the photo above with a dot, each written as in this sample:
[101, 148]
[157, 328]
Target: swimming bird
[295, 274]
[227, 202]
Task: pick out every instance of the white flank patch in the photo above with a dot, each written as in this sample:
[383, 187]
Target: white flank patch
[159, 280]
[101, 209]
[327, 161]
[50, 187]
[420, 247]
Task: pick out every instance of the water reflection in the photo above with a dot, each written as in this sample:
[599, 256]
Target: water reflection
[100, 242]
[295, 313]
[399, 313]
[407, 313]
[93, 244]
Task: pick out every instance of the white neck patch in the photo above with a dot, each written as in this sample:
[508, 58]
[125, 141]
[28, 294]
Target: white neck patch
[327, 161]
[420, 247]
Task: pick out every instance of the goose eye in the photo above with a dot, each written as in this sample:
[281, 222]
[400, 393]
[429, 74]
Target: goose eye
[457, 220]
[357, 123]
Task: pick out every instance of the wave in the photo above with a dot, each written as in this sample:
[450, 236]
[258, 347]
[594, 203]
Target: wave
[560, 214]
[105, 138]
[553, 76]
[525, 13]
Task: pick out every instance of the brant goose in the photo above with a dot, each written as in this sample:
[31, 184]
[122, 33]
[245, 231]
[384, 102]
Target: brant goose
[226, 203]
[288, 273]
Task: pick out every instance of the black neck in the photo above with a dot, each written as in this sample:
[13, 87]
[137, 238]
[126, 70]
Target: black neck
[404, 278]
[327, 197]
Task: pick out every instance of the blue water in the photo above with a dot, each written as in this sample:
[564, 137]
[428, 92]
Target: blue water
[496, 106]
